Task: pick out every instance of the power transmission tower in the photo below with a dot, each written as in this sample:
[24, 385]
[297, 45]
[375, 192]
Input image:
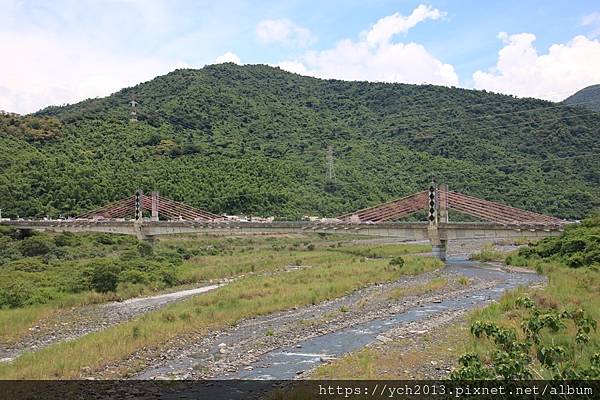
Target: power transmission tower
[133, 113]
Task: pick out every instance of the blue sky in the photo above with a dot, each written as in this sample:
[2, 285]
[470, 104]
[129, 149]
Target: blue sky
[64, 51]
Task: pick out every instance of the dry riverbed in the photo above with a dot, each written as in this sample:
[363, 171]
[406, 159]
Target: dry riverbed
[222, 353]
[69, 324]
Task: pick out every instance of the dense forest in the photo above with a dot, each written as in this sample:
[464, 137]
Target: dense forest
[588, 97]
[254, 139]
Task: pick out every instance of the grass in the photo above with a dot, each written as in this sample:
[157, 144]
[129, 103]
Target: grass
[488, 253]
[333, 274]
[383, 251]
[59, 279]
[432, 286]
[568, 288]
[15, 322]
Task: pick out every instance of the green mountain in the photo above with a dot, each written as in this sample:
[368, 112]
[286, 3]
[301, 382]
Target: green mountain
[254, 139]
[588, 97]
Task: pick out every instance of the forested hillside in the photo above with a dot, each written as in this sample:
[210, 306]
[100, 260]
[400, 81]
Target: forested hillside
[254, 139]
[588, 97]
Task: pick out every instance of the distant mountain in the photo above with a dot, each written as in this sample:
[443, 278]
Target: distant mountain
[254, 139]
[588, 97]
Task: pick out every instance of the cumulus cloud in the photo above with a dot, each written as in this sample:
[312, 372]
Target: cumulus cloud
[284, 31]
[45, 68]
[71, 51]
[228, 57]
[521, 71]
[386, 27]
[375, 57]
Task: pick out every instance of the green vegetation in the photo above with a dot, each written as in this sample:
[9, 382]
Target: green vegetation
[64, 268]
[41, 273]
[487, 253]
[331, 275]
[588, 97]
[512, 357]
[433, 285]
[579, 246]
[544, 333]
[253, 139]
[396, 262]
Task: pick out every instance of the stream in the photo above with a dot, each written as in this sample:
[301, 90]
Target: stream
[288, 362]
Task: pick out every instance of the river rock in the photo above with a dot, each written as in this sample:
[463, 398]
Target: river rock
[383, 339]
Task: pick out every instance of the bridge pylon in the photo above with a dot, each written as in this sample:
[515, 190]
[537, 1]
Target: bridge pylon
[438, 244]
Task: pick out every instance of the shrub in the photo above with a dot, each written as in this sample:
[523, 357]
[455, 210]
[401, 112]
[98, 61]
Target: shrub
[548, 247]
[576, 260]
[573, 245]
[168, 276]
[105, 278]
[66, 239]
[28, 265]
[15, 292]
[145, 249]
[133, 276]
[105, 238]
[172, 257]
[129, 255]
[397, 262]
[35, 246]
[511, 358]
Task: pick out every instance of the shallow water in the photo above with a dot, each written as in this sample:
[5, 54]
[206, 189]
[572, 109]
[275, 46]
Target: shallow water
[287, 362]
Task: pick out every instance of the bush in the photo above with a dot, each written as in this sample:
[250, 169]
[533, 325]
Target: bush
[145, 249]
[35, 246]
[105, 238]
[171, 257]
[397, 262]
[66, 239]
[134, 276]
[28, 265]
[573, 245]
[15, 292]
[512, 359]
[576, 260]
[129, 255]
[168, 276]
[105, 278]
[548, 247]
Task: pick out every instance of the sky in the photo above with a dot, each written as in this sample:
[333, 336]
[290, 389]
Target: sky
[64, 51]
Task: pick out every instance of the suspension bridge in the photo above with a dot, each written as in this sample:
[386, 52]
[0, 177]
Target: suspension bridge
[150, 216]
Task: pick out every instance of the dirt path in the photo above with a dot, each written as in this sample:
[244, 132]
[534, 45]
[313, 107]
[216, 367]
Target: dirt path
[73, 323]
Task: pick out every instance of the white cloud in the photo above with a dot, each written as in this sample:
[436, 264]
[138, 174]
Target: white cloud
[228, 57]
[386, 27]
[592, 20]
[521, 71]
[292, 66]
[284, 31]
[374, 57]
[45, 68]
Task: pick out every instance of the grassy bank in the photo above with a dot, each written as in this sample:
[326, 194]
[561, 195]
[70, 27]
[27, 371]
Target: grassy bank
[328, 274]
[43, 273]
[556, 325]
[572, 265]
